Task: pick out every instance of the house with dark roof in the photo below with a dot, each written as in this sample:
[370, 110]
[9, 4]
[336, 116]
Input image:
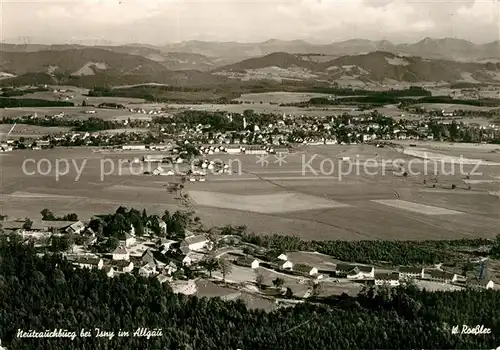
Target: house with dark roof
[247, 261]
[388, 279]
[483, 283]
[305, 269]
[411, 272]
[122, 266]
[76, 228]
[440, 276]
[355, 271]
[121, 253]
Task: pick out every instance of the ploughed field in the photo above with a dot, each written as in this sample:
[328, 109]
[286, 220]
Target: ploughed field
[319, 192]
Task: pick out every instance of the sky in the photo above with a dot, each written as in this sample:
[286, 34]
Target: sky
[160, 22]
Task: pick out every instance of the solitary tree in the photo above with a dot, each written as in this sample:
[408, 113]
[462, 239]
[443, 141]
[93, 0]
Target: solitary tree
[259, 279]
[27, 224]
[210, 264]
[225, 268]
[278, 282]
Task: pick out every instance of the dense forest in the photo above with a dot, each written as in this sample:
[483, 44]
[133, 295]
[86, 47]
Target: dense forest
[393, 252]
[47, 293]
[31, 102]
[91, 124]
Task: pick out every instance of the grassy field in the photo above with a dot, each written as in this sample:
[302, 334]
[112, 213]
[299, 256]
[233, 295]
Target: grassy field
[279, 97]
[74, 112]
[23, 130]
[277, 199]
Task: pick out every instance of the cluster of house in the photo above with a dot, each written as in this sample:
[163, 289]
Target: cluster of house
[362, 272]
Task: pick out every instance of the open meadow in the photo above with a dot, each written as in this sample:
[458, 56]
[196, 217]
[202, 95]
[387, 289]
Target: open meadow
[75, 113]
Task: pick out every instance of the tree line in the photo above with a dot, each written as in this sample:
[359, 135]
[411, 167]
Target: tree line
[47, 293]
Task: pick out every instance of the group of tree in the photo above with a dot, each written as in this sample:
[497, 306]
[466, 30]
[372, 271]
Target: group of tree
[393, 252]
[115, 226]
[47, 293]
[91, 124]
[47, 215]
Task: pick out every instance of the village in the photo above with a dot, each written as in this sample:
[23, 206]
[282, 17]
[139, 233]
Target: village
[248, 132]
[185, 254]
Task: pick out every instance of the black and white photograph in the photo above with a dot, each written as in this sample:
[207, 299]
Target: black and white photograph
[249, 174]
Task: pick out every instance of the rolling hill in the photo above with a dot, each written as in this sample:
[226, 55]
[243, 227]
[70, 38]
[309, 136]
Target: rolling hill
[445, 48]
[94, 66]
[375, 66]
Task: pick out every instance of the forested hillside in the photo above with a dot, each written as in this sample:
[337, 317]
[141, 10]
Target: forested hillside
[48, 293]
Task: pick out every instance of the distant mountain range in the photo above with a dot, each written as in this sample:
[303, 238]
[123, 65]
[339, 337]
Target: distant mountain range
[375, 66]
[218, 63]
[221, 53]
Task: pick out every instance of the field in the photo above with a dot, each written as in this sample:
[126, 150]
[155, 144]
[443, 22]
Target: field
[74, 112]
[311, 193]
[279, 97]
[23, 130]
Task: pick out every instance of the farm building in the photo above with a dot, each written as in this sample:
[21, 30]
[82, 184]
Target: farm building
[285, 265]
[440, 276]
[305, 269]
[355, 271]
[195, 242]
[123, 266]
[76, 228]
[481, 283]
[283, 257]
[390, 279]
[121, 253]
[247, 261]
[411, 272]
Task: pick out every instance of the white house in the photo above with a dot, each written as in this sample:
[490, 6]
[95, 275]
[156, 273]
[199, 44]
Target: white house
[355, 271]
[195, 242]
[121, 253]
[411, 272]
[482, 283]
[110, 271]
[391, 279]
[129, 240]
[148, 270]
[283, 257]
[163, 226]
[287, 265]
[248, 262]
[186, 260]
[123, 266]
[305, 269]
[76, 228]
[440, 276]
